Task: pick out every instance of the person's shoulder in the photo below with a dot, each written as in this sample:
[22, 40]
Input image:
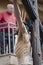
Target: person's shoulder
[5, 12]
[2, 13]
[15, 17]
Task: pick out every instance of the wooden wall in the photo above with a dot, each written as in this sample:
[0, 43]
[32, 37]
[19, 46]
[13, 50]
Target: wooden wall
[40, 7]
[3, 4]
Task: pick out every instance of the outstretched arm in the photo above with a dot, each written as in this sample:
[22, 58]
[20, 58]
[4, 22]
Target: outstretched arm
[17, 14]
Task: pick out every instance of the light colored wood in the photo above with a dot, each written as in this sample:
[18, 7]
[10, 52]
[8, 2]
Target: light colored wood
[8, 59]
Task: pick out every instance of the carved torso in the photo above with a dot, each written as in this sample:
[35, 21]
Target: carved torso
[23, 43]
